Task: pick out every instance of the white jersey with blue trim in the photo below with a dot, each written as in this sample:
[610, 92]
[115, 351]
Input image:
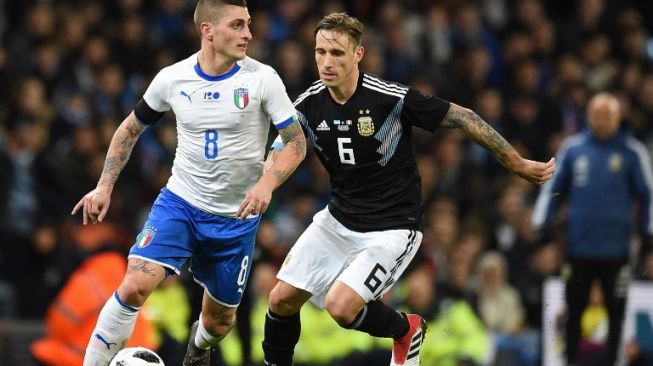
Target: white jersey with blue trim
[222, 128]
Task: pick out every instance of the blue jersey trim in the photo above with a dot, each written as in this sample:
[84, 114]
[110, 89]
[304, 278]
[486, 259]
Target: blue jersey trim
[285, 123]
[128, 307]
[207, 77]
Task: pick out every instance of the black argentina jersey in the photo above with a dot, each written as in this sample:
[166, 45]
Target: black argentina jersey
[367, 147]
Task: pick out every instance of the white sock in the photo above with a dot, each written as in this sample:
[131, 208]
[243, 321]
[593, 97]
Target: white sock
[204, 339]
[112, 330]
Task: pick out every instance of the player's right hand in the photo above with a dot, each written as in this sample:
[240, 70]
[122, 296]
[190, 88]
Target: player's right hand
[256, 201]
[95, 205]
[535, 171]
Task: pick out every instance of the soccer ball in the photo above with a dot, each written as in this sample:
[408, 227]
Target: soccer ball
[136, 356]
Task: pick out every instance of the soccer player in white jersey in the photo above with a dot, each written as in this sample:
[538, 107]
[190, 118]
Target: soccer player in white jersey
[357, 247]
[210, 209]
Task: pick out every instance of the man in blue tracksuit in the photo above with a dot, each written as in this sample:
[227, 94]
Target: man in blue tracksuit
[603, 172]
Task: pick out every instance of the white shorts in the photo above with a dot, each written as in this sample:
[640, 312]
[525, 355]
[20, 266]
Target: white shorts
[369, 263]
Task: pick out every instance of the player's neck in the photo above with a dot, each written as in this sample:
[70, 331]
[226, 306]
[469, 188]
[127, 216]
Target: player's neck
[344, 91]
[213, 63]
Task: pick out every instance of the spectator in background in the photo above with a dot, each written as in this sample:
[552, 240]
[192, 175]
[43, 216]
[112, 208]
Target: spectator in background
[541, 262]
[39, 267]
[516, 345]
[495, 295]
[603, 172]
[291, 65]
[70, 318]
[29, 183]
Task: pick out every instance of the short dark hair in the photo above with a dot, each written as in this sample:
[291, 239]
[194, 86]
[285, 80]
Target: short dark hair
[343, 23]
[209, 10]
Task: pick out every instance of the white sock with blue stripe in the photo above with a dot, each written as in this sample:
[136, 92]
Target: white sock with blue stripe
[204, 339]
[112, 330]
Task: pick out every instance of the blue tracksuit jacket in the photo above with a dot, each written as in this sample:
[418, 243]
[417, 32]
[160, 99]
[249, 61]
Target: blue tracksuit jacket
[602, 181]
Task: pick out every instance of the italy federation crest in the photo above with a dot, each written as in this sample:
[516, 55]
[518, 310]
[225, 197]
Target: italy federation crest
[365, 126]
[241, 97]
[145, 237]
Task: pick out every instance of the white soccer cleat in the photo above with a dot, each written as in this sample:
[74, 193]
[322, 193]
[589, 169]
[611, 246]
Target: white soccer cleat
[405, 350]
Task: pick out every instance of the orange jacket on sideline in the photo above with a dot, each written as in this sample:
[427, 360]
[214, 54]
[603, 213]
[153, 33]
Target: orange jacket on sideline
[71, 318]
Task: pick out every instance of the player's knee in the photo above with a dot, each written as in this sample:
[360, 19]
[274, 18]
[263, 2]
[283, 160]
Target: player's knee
[133, 292]
[340, 311]
[280, 303]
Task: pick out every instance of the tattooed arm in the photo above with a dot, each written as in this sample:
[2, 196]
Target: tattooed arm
[482, 133]
[96, 203]
[281, 163]
[120, 149]
[278, 167]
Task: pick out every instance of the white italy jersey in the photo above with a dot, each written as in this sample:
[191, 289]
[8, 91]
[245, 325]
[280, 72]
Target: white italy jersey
[222, 128]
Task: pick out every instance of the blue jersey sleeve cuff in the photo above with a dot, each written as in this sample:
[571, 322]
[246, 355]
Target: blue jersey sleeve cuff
[285, 123]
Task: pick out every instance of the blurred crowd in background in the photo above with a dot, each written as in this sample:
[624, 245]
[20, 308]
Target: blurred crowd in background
[71, 70]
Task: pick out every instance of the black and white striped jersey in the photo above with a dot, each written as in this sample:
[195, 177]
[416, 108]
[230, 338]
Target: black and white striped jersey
[367, 147]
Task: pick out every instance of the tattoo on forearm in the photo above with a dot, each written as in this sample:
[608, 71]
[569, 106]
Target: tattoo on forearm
[294, 135]
[273, 155]
[140, 265]
[476, 128]
[281, 175]
[293, 139]
[120, 149]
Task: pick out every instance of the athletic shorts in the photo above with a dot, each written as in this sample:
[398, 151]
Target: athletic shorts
[369, 262]
[219, 248]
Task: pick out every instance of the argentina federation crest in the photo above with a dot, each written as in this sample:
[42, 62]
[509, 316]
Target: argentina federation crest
[145, 237]
[615, 162]
[241, 97]
[365, 126]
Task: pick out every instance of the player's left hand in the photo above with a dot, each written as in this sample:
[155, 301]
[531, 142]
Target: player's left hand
[256, 201]
[535, 171]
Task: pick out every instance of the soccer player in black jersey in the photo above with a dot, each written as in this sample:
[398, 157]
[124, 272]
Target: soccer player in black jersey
[357, 247]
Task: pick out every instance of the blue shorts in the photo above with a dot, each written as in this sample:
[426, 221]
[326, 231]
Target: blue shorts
[220, 248]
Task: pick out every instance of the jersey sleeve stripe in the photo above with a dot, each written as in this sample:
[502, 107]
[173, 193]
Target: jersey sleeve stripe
[645, 162]
[384, 91]
[312, 137]
[311, 91]
[389, 134]
[383, 84]
[285, 123]
[311, 88]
